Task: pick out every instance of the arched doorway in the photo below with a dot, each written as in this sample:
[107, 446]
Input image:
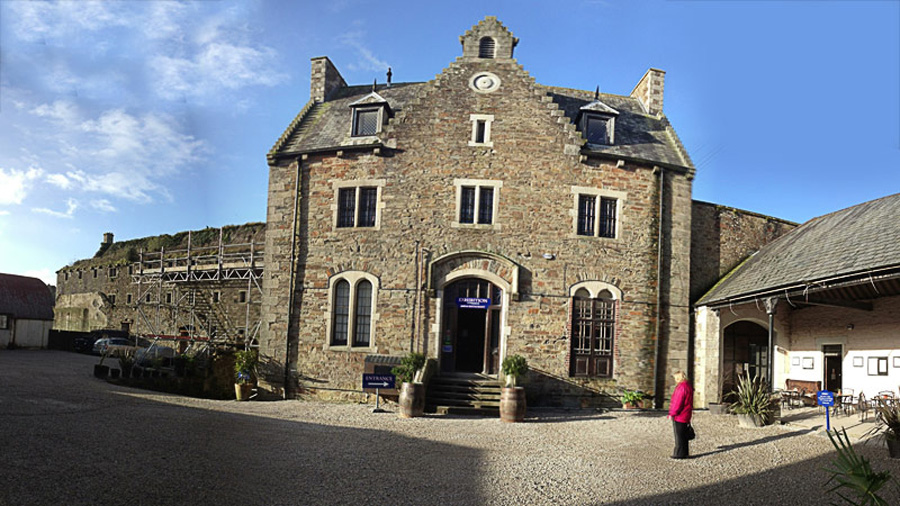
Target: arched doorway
[745, 350]
[470, 334]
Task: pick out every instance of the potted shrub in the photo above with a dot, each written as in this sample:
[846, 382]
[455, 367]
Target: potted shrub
[412, 390]
[754, 404]
[632, 399]
[102, 371]
[512, 396]
[126, 362]
[244, 373]
[887, 426]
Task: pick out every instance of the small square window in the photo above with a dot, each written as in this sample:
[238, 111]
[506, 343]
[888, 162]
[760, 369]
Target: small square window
[112, 299]
[597, 130]
[113, 272]
[147, 298]
[79, 274]
[476, 201]
[878, 366]
[4, 321]
[365, 122]
[357, 207]
[242, 296]
[94, 272]
[216, 296]
[597, 216]
[169, 298]
[128, 298]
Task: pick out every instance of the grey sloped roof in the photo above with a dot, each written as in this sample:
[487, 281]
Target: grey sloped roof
[25, 298]
[327, 124]
[844, 243]
[638, 134]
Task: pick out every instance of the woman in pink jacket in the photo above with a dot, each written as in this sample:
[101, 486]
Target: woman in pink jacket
[680, 410]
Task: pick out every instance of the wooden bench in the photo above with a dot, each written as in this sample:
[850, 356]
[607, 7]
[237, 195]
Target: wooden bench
[806, 388]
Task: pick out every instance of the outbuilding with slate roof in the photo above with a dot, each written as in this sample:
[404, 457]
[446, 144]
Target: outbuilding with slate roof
[26, 312]
[825, 297]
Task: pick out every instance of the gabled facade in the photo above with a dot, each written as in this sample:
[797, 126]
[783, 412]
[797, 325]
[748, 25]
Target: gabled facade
[470, 219]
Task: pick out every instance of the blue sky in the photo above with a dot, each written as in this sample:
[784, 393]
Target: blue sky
[144, 117]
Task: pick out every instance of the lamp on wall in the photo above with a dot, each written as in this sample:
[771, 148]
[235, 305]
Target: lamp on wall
[549, 256]
[849, 326]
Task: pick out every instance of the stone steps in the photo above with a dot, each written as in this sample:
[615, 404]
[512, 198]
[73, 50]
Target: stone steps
[463, 393]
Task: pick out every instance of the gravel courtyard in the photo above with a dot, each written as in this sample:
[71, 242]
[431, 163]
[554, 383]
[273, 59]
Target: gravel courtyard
[67, 438]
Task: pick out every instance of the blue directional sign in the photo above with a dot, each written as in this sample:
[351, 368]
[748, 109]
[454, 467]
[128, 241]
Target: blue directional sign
[385, 381]
[825, 398]
[472, 303]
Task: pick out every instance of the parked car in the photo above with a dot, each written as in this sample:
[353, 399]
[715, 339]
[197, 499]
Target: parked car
[145, 356]
[111, 344]
[84, 344]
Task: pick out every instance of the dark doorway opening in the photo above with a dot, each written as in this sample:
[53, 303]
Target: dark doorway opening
[834, 359]
[470, 338]
[745, 351]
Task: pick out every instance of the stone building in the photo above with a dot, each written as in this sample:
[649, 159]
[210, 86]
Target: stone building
[198, 285]
[480, 215]
[824, 297]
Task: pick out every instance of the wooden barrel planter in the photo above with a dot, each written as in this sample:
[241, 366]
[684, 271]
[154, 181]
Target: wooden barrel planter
[512, 404]
[893, 446]
[101, 371]
[412, 400]
[242, 392]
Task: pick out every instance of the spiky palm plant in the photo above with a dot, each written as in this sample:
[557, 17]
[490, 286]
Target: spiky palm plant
[852, 473]
[752, 397]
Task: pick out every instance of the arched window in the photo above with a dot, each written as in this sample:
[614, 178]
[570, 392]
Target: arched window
[486, 47]
[352, 303]
[593, 333]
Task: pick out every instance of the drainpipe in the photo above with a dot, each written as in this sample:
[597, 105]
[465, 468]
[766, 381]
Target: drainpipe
[770, 304]
[415, 315]
[659, 265]
[287, 339]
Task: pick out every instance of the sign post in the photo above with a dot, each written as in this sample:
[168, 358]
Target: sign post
[825, 398]
[378, 381]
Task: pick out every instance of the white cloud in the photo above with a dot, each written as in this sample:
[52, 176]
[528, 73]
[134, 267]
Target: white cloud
[15, 184]
[45, 275]
[59, 180]
[64, 19]
[366, 59]
[103, 205]
[69, 213]
[4, 213]
[60, 110]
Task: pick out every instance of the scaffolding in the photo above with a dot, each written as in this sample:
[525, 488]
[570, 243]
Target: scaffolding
[179, 295]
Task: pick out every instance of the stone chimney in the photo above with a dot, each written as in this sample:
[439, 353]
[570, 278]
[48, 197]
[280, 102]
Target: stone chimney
[107, 239]
[324, 79]
[649, 90]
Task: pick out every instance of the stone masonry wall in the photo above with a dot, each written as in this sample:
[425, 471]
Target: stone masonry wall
[723, 237]
[535, 156]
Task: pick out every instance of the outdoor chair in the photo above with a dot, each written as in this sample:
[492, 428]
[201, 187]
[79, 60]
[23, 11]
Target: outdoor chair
[862, 407]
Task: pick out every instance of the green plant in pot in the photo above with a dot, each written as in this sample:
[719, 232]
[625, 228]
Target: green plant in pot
[887, 426]
[632, 399]
[753, 402]
[126, 362]
[512, 397]
[245, 362]
[412, 390]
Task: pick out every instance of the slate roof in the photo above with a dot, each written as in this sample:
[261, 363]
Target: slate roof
[845, 243]
[25, 298]
[639, 135]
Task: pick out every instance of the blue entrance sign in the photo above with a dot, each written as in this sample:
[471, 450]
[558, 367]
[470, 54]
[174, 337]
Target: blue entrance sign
[826, 399]
[379, 380]
[472, 303]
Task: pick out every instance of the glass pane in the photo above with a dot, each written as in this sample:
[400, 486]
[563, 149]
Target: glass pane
[586, 214]
[597, 131]
[366, 122]
[467, 205]
[607, 217]
[367, 207]
[486, 205]
[363, 321]
[341, 313]
[346, 206]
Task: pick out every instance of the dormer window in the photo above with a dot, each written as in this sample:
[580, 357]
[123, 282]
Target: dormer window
[598, 122]
[366, 121]
[486, 47]
[598, 129]
[369, 114]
